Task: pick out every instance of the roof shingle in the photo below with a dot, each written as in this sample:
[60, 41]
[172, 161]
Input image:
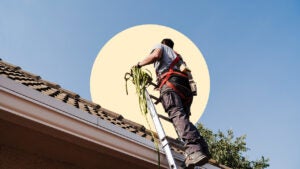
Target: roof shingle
[55, 91]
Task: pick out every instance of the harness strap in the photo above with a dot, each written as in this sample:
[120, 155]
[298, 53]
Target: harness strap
[185, 99]
[164, 78]
[175, 89]
[175, 61]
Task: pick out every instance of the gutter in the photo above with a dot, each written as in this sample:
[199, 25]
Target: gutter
[45, 110]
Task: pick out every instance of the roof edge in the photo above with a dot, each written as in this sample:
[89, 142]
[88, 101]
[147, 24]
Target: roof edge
[48, 111]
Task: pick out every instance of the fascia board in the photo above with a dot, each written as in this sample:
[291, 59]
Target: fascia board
[48, 111]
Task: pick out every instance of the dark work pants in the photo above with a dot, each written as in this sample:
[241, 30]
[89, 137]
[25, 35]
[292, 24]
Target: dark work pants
[179, 114]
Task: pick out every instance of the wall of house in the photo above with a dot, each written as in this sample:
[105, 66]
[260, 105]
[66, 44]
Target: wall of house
[13, 158]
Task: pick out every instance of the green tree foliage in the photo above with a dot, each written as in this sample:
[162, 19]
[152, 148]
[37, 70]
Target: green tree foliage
[228, 150]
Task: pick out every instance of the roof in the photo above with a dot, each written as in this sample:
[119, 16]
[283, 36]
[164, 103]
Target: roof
[54, 90]
[64, 96]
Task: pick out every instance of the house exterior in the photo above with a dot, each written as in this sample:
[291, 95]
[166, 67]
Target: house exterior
[43, 126]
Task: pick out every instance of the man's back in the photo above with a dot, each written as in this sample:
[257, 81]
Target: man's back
[168, 55]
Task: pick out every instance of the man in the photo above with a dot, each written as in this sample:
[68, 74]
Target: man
[176, 97]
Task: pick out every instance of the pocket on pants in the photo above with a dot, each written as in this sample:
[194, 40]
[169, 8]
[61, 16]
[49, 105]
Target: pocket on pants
[168, 101]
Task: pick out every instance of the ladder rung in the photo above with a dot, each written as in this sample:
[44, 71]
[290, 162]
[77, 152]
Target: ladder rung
[164, 118]
[157, 100]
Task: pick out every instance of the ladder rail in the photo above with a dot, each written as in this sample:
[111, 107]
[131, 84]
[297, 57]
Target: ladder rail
[160, 131]
[157, 100]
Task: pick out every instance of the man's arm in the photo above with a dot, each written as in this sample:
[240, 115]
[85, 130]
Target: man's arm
[155, 55]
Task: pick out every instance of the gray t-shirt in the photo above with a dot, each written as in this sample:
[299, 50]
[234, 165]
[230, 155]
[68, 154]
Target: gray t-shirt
[168, 55]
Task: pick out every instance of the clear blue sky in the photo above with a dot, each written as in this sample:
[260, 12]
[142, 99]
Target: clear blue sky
[252, 49]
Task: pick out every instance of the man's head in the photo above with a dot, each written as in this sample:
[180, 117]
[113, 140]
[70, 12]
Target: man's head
[168, 42]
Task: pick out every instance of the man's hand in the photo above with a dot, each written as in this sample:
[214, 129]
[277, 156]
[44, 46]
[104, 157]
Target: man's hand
[137, 65]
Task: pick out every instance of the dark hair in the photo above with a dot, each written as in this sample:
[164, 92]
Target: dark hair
[168, 42]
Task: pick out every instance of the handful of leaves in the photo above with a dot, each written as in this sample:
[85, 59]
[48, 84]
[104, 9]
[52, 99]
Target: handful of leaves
[141, 80]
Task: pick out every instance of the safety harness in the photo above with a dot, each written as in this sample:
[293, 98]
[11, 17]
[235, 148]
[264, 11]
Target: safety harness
[164, 78]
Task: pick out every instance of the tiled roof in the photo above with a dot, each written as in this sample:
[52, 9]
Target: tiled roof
[54, 90]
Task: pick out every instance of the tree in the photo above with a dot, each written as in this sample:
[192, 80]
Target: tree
[228, 150]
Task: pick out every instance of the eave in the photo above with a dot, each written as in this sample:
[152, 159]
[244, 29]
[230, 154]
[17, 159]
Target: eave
[37, 108]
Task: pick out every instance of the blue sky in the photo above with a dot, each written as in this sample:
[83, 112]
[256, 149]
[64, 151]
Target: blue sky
[251, 48]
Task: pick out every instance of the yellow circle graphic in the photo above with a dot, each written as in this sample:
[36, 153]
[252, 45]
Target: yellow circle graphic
[119, 54]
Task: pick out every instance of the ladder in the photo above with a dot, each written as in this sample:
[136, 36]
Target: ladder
[160, 131]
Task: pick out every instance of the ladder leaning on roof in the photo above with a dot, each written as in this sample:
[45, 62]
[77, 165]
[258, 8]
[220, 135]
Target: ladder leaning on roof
[160, 131]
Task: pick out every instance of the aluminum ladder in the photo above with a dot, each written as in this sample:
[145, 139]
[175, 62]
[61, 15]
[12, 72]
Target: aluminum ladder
[160, 131]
